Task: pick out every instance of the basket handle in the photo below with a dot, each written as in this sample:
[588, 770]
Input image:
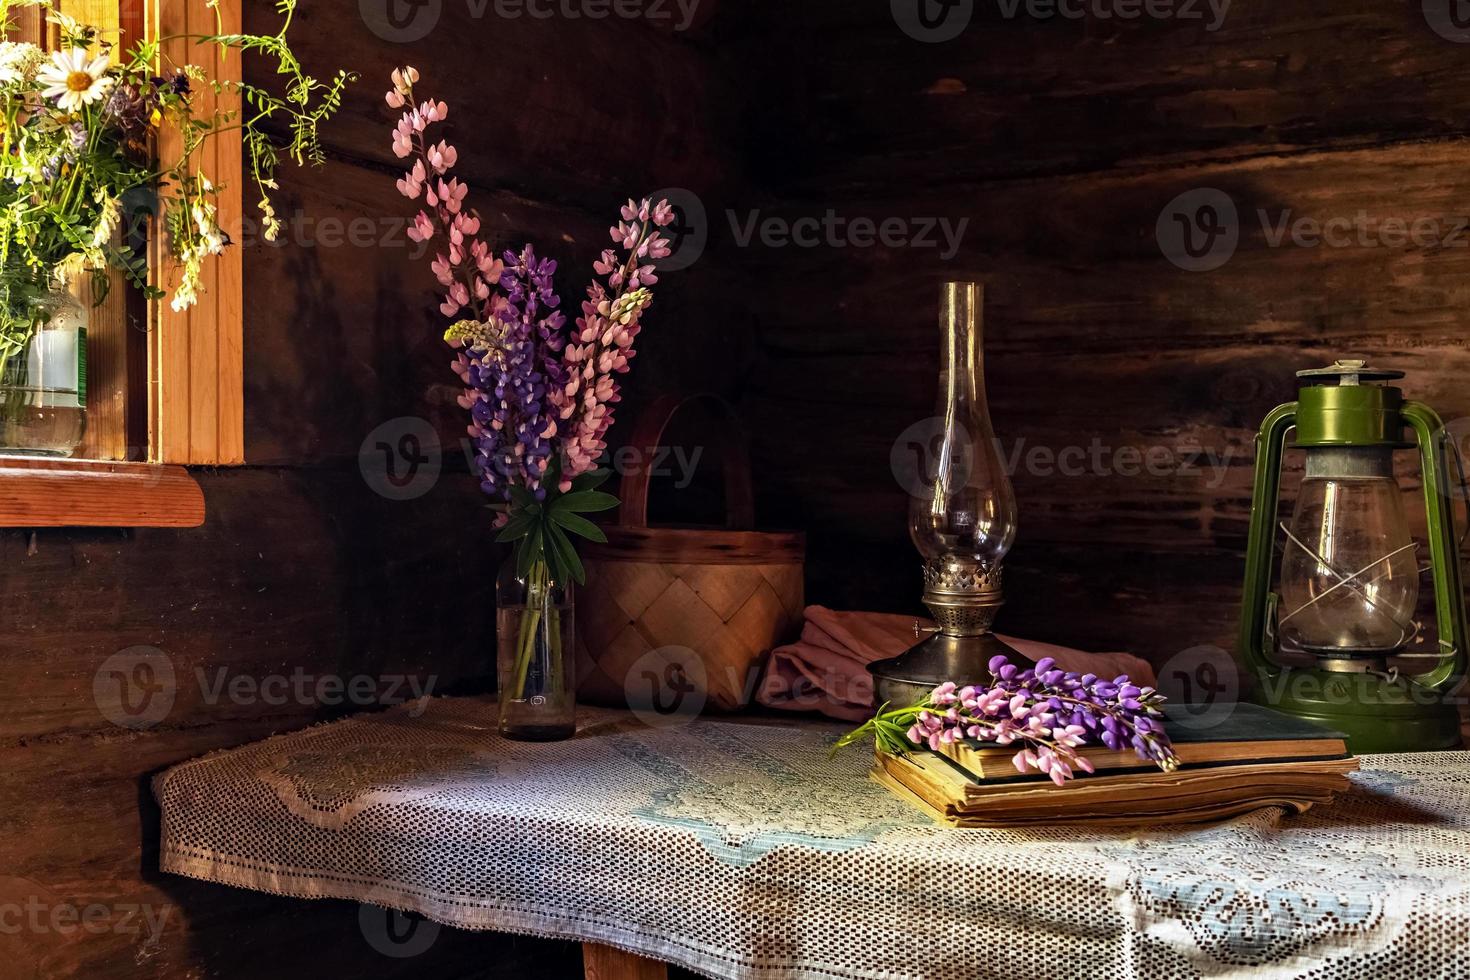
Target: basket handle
[729, 441]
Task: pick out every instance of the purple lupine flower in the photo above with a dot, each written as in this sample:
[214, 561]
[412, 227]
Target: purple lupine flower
[1050, 713]
[532, 346]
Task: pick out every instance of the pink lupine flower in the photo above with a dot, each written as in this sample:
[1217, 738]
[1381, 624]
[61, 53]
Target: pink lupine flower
[422, 229]
[411, 184]
[404, 80]
[467, 223]
[403, 138]
[441, 157]
[453, 194]
[488, 265]
[624, 234]
[1071, 736]
[402, 90]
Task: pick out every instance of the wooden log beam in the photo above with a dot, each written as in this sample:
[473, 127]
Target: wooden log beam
[77, 493]
[605, 963]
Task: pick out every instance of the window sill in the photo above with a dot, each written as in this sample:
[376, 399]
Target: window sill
[82, 493]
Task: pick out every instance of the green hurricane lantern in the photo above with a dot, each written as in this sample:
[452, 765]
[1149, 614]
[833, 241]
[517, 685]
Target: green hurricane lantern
[1349, 579]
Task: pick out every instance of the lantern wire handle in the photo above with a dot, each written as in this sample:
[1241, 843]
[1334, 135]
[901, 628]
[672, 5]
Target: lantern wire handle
[1405, 631]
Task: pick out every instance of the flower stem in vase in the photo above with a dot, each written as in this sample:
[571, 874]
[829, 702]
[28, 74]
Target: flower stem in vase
[536, 602]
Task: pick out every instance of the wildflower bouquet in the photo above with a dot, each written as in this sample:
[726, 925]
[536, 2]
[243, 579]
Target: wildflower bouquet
[1048, 713]
[80, 128]
[540, 393]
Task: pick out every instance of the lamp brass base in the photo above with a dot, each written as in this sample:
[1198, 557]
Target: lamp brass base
[909, 677]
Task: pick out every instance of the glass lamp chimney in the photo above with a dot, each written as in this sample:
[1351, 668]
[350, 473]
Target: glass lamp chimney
[963, 525]
[970, 516]
[1349, 577]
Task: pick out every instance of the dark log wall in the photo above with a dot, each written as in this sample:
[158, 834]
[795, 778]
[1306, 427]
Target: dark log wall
[1062, 142]
[302, 569]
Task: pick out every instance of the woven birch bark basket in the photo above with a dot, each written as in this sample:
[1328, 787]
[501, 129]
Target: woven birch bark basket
[677, 619]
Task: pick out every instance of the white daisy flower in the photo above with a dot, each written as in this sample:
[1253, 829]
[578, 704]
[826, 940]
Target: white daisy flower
[74, 78]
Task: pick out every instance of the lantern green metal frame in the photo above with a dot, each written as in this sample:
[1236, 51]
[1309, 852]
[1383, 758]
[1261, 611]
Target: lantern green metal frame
[1378, 712]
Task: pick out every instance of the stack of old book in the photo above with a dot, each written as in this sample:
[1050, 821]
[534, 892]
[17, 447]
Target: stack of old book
[1252, 758]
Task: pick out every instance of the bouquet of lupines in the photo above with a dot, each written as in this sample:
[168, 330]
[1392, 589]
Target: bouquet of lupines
[540, 393]
[1049, 714]
[80, 127]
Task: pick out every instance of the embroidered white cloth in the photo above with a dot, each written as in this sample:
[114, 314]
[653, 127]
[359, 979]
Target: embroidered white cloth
[743, 851]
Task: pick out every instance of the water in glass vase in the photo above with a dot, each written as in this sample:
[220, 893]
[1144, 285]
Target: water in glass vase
[43, 383]
[535, 664]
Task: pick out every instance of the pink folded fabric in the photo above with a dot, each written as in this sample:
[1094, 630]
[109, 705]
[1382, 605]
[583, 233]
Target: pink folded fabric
[826, 670]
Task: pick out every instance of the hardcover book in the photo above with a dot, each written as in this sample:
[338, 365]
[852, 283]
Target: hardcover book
[1256, 757]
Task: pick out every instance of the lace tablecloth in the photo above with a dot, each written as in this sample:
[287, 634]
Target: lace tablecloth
[742, 850]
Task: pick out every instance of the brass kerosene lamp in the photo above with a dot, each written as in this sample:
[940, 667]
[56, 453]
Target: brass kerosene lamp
[963, 523]
[1349, 578]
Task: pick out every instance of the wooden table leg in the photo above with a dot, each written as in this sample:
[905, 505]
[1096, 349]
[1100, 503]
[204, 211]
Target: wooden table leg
[605, 963]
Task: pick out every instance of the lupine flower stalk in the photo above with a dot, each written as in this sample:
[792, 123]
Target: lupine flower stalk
[1046, 712]
[532, 359]
[601, 346]
[471, 276]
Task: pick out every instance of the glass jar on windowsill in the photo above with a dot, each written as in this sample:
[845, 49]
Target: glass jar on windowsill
[43, 370]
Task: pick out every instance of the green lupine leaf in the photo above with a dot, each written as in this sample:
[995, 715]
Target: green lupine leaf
[528, 552]
[577, 524]
[554, 568]
[586, 502]
[516, 528]
[566, 554]
[590, 480]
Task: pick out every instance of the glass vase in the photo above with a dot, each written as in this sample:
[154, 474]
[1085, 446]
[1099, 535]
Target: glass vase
[535, 662]
[43, 375]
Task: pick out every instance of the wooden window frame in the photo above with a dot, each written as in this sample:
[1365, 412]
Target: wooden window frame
[165, 387]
